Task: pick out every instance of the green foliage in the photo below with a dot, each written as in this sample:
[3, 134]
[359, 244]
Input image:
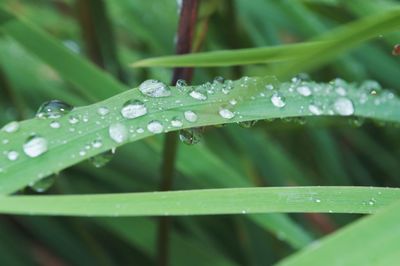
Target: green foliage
[322, 150]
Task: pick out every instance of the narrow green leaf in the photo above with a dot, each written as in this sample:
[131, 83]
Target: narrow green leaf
[207, 201]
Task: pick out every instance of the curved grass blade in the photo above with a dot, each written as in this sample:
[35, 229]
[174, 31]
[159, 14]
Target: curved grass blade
[207, 201]
[326, 46]
[373, 240]
[249, 99]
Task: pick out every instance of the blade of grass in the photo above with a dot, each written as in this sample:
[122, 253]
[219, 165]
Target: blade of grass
[207, 201]
[373, 239]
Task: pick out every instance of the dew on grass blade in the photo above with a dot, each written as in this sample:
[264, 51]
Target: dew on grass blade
[118, 132]
[35, 146]
[133, 108]
[154, 88]
[155, 127]
[226, 113]
[43, 184]
[53, 109]
[11, 127]
[190, 136]
[343, 106]
[190, 116]
[278, 100]
[12, 155]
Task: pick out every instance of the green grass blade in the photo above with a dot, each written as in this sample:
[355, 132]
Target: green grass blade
[16, 174]
[373, 240]
[326, 47]
[207, 201]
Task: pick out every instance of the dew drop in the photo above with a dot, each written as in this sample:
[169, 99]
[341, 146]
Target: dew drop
[304, 91]
[97, 143]
[198, 95]
[73, 119]
[154, 88]
[226, 113]
[190, 136]
[343, 106]
[247, 124]
[278, 100]
[190, 116]
[233, 102]
[35, 146]
[155, 127]
[53, 109]
[181, 85]
[103, 110]
[11, 127]
[102, 159]
[314, 109]
[175, 122]
[118, 132]
[43, 184]
[133, 108]
[12, 155]
[55, 124]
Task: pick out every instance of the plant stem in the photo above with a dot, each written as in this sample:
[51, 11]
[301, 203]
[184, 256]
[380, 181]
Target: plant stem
[186, 29]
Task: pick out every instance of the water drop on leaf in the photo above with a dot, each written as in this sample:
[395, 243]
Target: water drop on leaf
[35, 146]
[53, 109]
[190, 136]
[155, 127]
[118, 132]
[343, 106]
[133, 108]
[154, 88]
[190, 116]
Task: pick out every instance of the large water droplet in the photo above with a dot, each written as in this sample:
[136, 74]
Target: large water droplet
[190, 116]
[278, 100]
[53, 109]
[226, 113]
[43, 184]
[304, 90]
[133, 108]
[101, 159]
[190, 136]
[155, 127]
[154, 88]
[343, 106]
[12, 155]
[118, 132]
[11, 127]
[35, 146]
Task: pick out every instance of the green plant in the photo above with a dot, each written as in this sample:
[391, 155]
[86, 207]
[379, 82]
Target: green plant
[306, 157]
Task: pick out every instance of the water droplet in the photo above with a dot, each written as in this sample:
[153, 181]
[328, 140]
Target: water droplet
[181, 85]
[304, 91]
[97, 143]
[226, 113]
[53, 109]
[175, 122]
[315, 109]
[190, 136]
[317, 200]
[219, 79]
[101, 159]
[103, 110]
[11, 127]
[12, 155]
[73, 119]
[190, 116]
[43, 184]
[278, 100]
[198, 95]
[343, 106]
[35, 146]
[133, 108]
[233, 102]
[118, 132]
[155, 127]
[154, 88]
[55, 124]
[341, 91]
